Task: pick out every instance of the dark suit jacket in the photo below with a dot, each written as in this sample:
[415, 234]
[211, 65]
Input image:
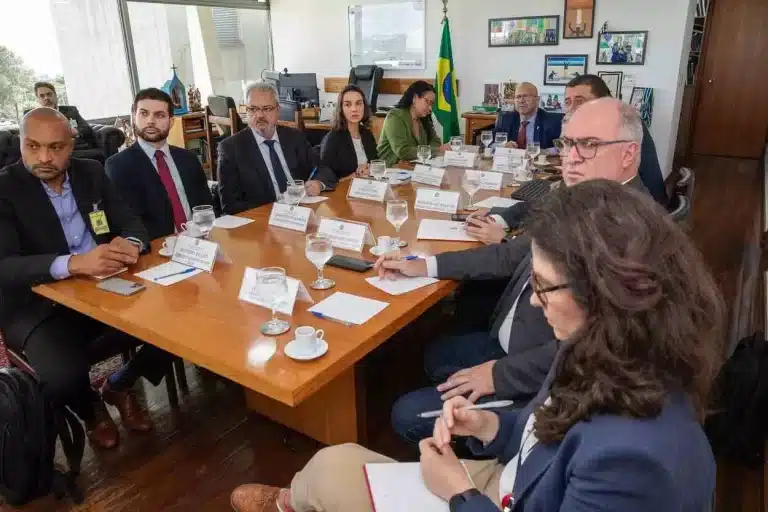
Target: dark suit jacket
[85, 137]
[607, 463]
[138, 182]
[244, 180]
[650, 170]
[547, 128]
[31, 237]
[337, 152]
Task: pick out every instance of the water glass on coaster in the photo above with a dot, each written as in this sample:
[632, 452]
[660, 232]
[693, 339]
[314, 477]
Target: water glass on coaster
[397, 214]
[204, 217]
[192, 230]
[319, 250]
[424, 153]
[294, 193]
[274, 286]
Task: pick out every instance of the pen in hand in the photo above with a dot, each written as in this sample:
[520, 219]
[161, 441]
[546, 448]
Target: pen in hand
[488, 405]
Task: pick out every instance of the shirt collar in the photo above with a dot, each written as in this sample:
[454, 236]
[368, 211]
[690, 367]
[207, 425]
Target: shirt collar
[260, 139]
[65, 187]
[532, 119]
[150, 150]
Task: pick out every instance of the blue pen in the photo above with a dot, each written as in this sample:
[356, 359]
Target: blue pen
[185, 271]
[411, 257]
[322, 316]
[312, 174]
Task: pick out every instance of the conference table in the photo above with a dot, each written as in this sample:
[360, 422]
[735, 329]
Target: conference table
[202, 320]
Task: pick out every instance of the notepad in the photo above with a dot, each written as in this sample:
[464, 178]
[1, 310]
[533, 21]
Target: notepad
[496, 202]
[313, 199]
[350, 308]
[401, 284]
[231, 222]
[166, 269]
[399, 487]
[434, 229]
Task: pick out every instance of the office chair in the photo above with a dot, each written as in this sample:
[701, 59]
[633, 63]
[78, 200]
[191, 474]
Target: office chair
[681, 210]
[223, 106]
[684, 184]
[367, 78]
[290, 114]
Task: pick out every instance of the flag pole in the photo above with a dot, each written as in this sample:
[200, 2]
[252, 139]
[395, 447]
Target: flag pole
[445, 11]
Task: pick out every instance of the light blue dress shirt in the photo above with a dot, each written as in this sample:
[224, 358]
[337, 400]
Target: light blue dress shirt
[530, 130]
[268, 161]
[75, 229]
[150, 150]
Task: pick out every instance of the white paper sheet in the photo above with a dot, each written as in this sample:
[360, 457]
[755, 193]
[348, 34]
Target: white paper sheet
[401, 284]
[350, 308]
[166, 269]
[399, 487]
[433, 229]
[496, 202]
[313, 199]
[231, 222]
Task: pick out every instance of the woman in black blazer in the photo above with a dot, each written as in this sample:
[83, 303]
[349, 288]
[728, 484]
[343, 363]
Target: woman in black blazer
[350, 145]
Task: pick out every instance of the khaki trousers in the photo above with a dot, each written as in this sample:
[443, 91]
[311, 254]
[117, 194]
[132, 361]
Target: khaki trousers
[333, 480]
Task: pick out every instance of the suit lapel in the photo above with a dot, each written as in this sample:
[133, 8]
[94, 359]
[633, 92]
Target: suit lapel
[46, 213]
[147, 167]
[289, 153]
[511, 293]
[531, 470]
[251, 146]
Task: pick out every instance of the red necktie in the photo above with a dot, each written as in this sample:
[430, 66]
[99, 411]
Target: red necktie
[179, 217]
[521, 135]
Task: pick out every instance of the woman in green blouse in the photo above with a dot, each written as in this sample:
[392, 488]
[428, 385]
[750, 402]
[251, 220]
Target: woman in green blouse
[409, 125]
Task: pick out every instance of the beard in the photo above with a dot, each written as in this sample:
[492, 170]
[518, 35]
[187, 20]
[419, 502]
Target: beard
[45, 172]
[153, 136]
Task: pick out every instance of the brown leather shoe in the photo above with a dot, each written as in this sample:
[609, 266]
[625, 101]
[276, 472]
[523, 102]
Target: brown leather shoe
[261, 498]
[133, 416]
[101, 429]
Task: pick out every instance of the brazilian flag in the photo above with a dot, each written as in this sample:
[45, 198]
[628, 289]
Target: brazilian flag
[446, 111]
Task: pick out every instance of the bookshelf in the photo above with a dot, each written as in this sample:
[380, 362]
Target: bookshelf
[191, 131]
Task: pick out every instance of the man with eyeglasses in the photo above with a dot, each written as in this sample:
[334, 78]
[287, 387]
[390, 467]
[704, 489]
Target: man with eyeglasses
[528, 123]
[256, 165]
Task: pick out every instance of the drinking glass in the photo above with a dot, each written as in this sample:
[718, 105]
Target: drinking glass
[204, 217]
[456, 143]
[522, 171]
[486, 138]
[273, 286]
[318, 251]
[501, 139]
[471, 184]
[397, 214]
[378, 169]
[295, 192]
[532, 150]
[424, 153]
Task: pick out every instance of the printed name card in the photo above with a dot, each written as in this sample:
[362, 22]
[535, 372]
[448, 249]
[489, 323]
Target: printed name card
[195, 252]
[428, 175]
[370, 190]
[352, 236]
[488, 180]
[441, 201]
[460, 158]
[251, 291]
[290, 217]
[504, 158]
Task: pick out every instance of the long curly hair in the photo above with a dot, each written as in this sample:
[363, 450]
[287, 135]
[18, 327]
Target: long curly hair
[418, 88]
[654, 315]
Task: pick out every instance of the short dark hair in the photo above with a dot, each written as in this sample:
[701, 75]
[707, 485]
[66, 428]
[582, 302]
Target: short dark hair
[595, 83]
[153, 93]
[339, 121]
[44, 84]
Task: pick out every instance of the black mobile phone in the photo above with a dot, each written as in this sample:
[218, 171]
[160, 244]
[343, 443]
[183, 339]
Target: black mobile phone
[350, 263]
[460, 217]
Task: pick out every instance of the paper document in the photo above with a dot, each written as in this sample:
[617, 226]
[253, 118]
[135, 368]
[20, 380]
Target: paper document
[496, 202]
[401, 284]
[433, 229]
[349, 308]
[313, 199]
[399, 487]
[231, 222]
[158, 274]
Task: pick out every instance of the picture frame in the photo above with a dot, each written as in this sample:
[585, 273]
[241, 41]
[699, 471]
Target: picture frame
[559, 69]
[524, 31]
[578, 19]
[552, 100]
[622, 48]
[613, 79]
[642, 100]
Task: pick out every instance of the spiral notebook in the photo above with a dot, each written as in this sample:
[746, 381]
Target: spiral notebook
[399, 487]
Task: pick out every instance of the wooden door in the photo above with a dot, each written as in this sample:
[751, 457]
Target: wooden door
[731, 116]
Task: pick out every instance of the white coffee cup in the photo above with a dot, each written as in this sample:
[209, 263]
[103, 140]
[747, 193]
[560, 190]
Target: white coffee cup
[542, 159]
[308, 339]
[191, 229]
[384, 244]
[169, 244]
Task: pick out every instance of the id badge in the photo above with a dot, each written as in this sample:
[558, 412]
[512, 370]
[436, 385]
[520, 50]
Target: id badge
[99, 222]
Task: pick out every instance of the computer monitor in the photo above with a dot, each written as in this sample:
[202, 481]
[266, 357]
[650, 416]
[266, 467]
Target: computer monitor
[301, 87]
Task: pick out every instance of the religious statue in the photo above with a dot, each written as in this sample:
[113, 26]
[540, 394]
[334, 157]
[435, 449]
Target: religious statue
[194, 99]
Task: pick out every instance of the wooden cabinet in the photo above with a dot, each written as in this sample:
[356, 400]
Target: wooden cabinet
[191, 131]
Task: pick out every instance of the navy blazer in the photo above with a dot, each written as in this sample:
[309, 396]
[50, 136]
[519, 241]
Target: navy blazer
[609, 463]
[547, 128]
[138, 182]
[650, 170]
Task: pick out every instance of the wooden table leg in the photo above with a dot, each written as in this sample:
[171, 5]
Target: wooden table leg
[333, 415]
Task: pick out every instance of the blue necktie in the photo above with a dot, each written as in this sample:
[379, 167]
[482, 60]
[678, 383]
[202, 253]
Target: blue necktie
[277, 167]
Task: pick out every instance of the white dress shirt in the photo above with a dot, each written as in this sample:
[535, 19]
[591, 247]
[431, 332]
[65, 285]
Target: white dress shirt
[268, 161]
[359, 151]
[150, 150]
[527, 443]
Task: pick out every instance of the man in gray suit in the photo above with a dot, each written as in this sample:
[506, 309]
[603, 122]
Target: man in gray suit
[511, 359]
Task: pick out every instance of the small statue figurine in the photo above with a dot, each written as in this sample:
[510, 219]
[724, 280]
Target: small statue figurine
[194, 99]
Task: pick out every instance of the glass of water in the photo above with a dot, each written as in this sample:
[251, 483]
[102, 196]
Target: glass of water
[273, 286]
[295, 192]
[486, 137]
[456, 143]
[397, 214]
[522, 172]
[532, 150]
[319, 250]
[378, 169]
[471, 184]
[501, 139]
[204, 217]
[424, 153]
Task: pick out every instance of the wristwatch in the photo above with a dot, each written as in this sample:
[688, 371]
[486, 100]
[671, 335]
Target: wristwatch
[463, 497]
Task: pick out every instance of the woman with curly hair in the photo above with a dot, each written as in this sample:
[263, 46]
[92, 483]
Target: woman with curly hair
[617, 423]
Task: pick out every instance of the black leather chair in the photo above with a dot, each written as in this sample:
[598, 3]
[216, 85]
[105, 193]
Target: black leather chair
[108, 141]
[220, 106]
[368, 78]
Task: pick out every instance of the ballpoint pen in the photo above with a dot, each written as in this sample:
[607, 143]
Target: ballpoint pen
[488, 405]
[324, 317]
[312, 174]
[411, 257]
[185, 271]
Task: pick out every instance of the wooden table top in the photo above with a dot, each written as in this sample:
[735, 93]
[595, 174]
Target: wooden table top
[202, 320]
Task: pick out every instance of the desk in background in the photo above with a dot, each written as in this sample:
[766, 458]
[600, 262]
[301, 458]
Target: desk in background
[476, 121]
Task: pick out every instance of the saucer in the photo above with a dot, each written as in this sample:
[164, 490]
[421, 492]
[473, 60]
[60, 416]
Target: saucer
[165, 252]
[290, 351]
[378, 252]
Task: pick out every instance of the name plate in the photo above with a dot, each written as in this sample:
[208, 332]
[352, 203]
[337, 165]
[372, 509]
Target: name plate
[488, 180]
[442, 201]
[428, 175]
[460, 158]
[346, 235]
[251, 291]
[370, 190]
[195, 252]
[290, 217]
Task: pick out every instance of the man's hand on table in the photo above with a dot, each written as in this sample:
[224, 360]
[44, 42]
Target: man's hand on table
[313, 188]
[104, 259]
[486, 230]
[393, 264]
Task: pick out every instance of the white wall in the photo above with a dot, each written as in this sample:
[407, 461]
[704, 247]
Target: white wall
[312, 36]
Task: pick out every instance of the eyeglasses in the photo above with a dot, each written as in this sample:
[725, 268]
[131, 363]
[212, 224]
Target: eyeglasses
[268, 109]
[541, 292]
[585, 148]
[430, 102]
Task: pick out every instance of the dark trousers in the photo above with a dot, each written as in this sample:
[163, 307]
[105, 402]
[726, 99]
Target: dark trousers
[62, 348]
[441, 360]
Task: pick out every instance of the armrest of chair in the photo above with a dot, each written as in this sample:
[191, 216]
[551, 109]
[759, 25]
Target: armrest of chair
[108, 138]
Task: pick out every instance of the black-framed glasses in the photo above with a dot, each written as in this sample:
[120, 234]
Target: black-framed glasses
[585, 148]
[542, 291]
[267, 109]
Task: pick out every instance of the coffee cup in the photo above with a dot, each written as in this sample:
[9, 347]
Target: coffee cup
[542, 159]
[169, 244]
[384, 244]
[191, 229]
[308, 339]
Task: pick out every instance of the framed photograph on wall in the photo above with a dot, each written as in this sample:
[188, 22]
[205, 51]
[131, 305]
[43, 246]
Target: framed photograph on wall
[622, 48]
[642, 100]
[552, 101]
[560, 69]
[613, 80]
[579, 19]
[529, 31]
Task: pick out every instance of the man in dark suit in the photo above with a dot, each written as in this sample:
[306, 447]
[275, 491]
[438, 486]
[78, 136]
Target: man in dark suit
[529, 123]
[84, 138]
[62, 217]
[511, 359]
[256, 165]
[161, 183]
